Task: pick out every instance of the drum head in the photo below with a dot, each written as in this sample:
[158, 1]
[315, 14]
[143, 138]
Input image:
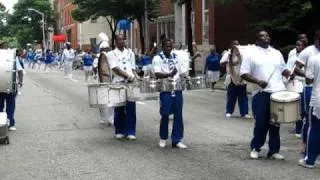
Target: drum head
[285, 96]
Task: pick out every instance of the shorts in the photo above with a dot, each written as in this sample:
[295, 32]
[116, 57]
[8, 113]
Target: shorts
[87, 68]
[213, 76]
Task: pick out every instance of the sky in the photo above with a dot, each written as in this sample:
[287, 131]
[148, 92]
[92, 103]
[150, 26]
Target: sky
[9, 3]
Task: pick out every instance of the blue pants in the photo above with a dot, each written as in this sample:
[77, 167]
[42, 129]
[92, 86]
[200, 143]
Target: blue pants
[313, 140]
[125, 119]
[168, 103]
[239, 92]
[299, 122]
[261, 112]
[10, 100]
[306, 101]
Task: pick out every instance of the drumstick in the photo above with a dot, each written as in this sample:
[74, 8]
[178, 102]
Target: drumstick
[275, 68]
[292, 71]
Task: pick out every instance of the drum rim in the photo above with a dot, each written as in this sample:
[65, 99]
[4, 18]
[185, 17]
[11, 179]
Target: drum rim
[291, 100]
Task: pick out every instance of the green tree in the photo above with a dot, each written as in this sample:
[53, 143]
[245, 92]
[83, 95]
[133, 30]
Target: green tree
[114, 11]
[27, 25]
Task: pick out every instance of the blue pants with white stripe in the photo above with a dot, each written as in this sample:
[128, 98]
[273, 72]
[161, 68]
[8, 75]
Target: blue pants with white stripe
[235, 92]
[313, 139]
[261, 112]
[168, 102]
[306, 101]
[125, 119]
[10, 101]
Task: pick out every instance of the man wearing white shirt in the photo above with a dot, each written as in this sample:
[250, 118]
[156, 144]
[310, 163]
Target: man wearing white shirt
[122, 63]
[301, 63]
[234, 92]
[9, 99]
[264, 66]
[68, 56]
[166, 65]
[296, 85]
[313, 140]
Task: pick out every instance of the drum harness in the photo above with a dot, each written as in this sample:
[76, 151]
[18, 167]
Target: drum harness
[171, 65]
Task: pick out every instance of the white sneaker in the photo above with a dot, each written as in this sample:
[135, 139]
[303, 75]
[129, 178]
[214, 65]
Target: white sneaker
[247, 116]
[162, 143]
[297, 135]
[277, 156]
[180, 145]
[254, 154]
[102, 122]
[303, 163]
[119, 136]
[228, 115]
[12, 128]
[132, 137]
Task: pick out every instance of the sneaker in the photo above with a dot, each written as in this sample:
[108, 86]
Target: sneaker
[277, 156]
[247, 116]
[12, 128]
[254, 154]
[119, 136]
[297, 135]
[303, 163]
[228, 115]
[102, 122]
[180, 145]
[162, 143]
[131, 137]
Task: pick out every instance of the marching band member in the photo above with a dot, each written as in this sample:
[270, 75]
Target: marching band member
[8, 100]
[313, 140]
[166, 65]
[122, 63]
[87, 62]
[296, 85]
[106, 113]
[234, 91]
[302, 61]
[264, 66]
[68, 56]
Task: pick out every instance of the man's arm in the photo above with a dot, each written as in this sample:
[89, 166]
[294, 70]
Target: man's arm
[250, 78]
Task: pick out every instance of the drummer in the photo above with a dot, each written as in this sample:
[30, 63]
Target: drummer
[296, 85]
[122, 62]
[264, 66]
[313, 140]
[166, 65]
[106, 113]
[302, 61]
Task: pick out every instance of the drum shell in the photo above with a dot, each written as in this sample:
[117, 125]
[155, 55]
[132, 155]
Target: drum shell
[169, 85]
[198, 83]
[106, 95]
[285, 112]
[7, 73]
[142, 90]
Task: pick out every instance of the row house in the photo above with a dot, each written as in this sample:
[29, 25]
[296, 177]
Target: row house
[81, 35]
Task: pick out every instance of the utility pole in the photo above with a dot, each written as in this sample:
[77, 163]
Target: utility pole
[146, 28]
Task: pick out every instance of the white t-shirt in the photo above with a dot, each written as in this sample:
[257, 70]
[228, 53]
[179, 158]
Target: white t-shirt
[68, 55]
[266, 64]
[313, 72]
[307, 53]
[160, 64]
[295, 85]
[125, 60]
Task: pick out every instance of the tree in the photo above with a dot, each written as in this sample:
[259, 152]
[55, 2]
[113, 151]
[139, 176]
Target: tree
[114, 11]
[27, 25]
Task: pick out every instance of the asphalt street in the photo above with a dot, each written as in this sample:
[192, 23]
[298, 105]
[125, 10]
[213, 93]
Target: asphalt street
[59, 137]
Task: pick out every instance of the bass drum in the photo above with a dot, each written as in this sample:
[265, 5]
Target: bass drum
[7, 71]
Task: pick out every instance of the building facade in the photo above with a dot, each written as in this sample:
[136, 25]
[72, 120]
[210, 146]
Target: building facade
[81, 35]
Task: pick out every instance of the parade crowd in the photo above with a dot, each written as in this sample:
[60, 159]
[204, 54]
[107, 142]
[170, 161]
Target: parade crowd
[260, 64]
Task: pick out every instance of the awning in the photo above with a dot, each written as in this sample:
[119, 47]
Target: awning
[59, 38]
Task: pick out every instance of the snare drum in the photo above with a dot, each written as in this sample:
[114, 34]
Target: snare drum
[7, 71]
[106, 95]
[146, 89]
[169, 85]
[198, 82]
[285, 107]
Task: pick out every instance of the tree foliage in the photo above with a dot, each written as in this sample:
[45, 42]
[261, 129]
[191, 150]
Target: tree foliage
[27, 25]
[115, 10]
